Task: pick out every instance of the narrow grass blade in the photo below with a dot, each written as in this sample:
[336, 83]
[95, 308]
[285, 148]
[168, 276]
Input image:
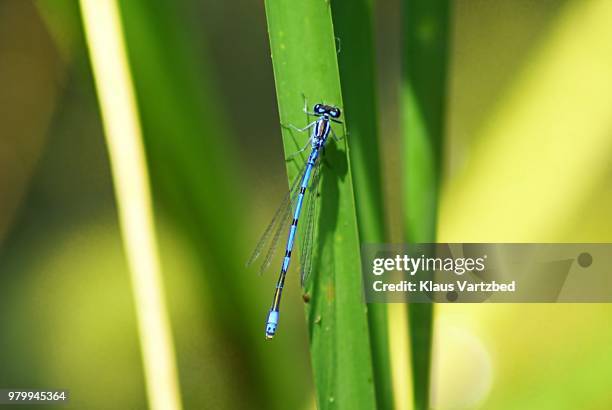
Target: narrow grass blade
[424, 49]
[196, 179]
[124, 137]
[305, 63]
[353, 28]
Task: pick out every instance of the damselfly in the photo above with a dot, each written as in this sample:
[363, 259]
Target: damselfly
[291, 208]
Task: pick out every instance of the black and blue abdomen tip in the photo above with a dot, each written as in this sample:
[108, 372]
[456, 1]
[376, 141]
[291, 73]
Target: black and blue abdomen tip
[271, 324]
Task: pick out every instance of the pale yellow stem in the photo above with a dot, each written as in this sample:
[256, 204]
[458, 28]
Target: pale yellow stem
[104, 35]
[399, 342]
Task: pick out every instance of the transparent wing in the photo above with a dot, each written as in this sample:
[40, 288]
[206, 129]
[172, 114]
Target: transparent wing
[278, 223]
[309, 230]
[282, 228]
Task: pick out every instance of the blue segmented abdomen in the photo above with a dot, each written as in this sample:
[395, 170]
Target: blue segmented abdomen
[273, 315]
[271, 323]
[298, 209]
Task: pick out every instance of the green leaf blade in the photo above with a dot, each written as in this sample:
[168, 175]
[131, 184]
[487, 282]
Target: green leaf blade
[353, 28]
[305, 64]
[425, 64]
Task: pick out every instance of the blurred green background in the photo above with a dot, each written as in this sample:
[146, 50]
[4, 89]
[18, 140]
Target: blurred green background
[527, 159]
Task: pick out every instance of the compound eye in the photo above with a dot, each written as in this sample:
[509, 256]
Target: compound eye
[335, 113]
[318, 108]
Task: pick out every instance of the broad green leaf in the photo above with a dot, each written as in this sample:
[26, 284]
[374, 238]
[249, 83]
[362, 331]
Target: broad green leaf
[353, 23]
[424, 53]
[305, 64]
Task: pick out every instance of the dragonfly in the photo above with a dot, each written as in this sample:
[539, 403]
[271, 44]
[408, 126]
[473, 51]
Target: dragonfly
[288, 213]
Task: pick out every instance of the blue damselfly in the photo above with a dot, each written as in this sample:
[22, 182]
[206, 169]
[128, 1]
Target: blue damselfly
[291, 208]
